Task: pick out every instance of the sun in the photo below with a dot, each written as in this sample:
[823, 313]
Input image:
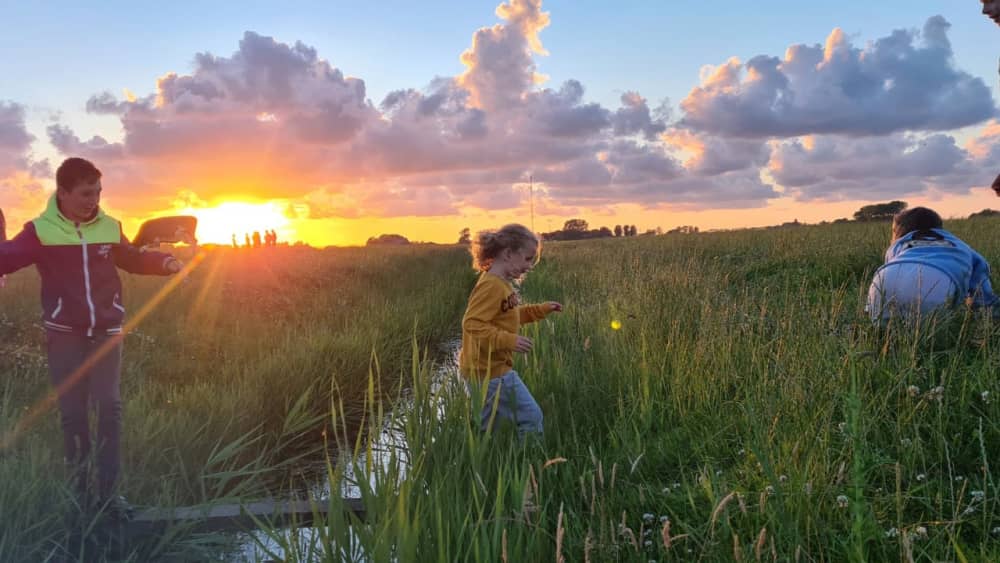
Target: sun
[220, 223]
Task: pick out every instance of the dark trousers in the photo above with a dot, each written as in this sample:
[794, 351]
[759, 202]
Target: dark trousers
[98, 385]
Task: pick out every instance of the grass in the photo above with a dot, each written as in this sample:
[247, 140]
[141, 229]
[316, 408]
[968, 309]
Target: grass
[745, 410]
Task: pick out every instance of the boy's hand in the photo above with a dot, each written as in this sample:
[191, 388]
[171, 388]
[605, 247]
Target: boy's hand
[523, 344]
[174, 265]
[554, 306]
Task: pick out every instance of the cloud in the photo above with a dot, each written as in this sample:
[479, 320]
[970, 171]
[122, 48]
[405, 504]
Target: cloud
[906, 81]
[275, 120]
[21, 176]
[840, 168]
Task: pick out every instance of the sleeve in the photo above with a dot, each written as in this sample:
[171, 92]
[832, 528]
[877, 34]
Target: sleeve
[20, 251]
[532, 313]
[137, 261]
[477, 323]
[980, 288]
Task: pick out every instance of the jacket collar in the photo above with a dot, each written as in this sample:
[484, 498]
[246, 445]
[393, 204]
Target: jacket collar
[53, 213]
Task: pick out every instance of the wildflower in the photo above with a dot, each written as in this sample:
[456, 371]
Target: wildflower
[921, 532]
[741, 453]
[906, 442]
[648, 543]
[648, 517]
[718, 472]
[616, 325]
[971, 509]
[959, 478]
[677, 485]
[783, 478]
[842, 427]
[977, 495]
[996, 531]
[921, 477]
[664, 519]
[913, 390]
[842, 501]
[985, 396]
[936, 393]
[891, 533]
[769, 490]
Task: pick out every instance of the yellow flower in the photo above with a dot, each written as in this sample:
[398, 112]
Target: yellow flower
[615, 325]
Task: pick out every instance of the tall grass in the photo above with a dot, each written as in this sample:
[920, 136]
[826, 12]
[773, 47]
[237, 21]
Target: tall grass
[746, 410]
[227, 384]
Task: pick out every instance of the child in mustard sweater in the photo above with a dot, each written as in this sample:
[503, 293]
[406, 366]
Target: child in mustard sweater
[491, 322]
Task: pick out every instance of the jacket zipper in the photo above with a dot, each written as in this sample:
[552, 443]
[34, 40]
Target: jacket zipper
[58, 308]
[86, 280]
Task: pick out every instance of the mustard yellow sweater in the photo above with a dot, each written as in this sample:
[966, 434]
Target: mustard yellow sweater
[490, 325]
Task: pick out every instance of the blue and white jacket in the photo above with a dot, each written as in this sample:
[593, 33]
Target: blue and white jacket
[943, 251]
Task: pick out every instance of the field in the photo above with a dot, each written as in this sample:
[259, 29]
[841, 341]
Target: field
[743, 410]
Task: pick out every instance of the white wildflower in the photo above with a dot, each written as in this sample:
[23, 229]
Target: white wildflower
[891, 533]
[921, 478]
[842, 501]
[913, 390]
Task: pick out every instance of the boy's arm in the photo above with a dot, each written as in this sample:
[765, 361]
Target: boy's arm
[20, 251]
[980, 288]
[136, 261]
[484, 304]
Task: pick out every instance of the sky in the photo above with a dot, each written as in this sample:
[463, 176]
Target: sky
[335, 121]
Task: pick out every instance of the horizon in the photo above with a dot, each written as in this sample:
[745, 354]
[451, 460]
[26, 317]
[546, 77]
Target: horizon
[299, 120]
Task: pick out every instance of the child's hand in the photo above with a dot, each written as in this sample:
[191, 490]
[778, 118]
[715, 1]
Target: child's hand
[554, 306]
[523, 344]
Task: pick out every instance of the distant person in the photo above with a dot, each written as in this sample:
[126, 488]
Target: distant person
[274, 237]
[234, 241]
[256, 239]
[491, 323]
[246, 239]
[927, 269]
[77, 249]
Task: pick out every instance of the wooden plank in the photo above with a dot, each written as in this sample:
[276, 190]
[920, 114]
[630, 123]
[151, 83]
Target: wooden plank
[233, 517]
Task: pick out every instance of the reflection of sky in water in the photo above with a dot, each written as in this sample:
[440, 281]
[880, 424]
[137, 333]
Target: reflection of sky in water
[390, 441]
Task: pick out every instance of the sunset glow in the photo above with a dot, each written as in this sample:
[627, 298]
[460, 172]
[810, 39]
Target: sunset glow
[219, 223]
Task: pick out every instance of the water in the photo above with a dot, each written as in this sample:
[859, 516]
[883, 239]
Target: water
[390, 444]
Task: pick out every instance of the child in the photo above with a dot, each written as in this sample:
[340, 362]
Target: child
[77, 250]
[927, 268]
[491, 323]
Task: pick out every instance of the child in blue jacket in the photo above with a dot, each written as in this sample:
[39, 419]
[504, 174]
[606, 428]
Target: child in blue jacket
[926, 269]
[78, 249]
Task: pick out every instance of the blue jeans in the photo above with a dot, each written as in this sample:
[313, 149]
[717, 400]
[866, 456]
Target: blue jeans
[515, 404]
[78, 391]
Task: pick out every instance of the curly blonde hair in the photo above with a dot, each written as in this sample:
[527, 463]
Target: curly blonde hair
[490, 243]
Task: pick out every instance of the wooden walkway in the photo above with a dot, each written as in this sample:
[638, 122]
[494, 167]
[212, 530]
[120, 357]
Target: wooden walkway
[233, 517]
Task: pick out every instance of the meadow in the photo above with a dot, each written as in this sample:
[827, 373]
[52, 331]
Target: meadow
[743, 409]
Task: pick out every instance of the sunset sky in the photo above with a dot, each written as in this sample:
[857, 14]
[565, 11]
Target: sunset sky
[335, 121]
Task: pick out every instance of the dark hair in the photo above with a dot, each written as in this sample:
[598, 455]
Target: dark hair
[915, 219]
[489, 244]
[74, 171]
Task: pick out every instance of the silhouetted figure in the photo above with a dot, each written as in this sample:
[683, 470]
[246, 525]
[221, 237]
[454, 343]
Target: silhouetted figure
[256, 239]
[996, 186]
[234, 241]
[246, 237]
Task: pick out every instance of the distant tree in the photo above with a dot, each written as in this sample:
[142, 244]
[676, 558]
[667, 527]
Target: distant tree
[618, 230]
[879, 211]
[465, 236]
[604, 232]
[841, 220]
[985, 213]
[633, 230]
[683, 230]
[575, 225]
[387, 239]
